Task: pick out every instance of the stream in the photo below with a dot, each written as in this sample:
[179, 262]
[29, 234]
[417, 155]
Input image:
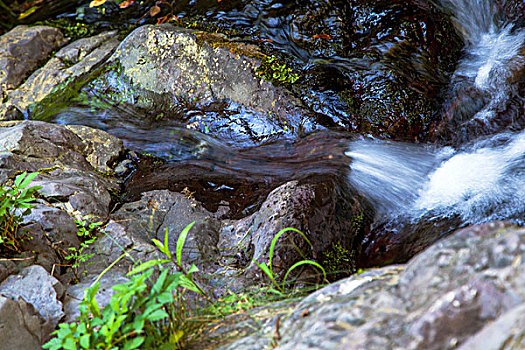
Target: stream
[473, 172]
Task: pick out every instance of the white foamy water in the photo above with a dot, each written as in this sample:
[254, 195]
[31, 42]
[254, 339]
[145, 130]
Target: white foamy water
[389, 174]
[483, 183]
[480, 185]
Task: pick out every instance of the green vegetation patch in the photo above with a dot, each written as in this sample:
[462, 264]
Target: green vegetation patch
[16, 202]
[276, 72]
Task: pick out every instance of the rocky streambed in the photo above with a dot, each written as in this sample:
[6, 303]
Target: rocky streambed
[244, 158]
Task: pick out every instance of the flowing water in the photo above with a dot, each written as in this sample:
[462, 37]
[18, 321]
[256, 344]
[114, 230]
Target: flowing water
[481, 181]
[481, 178]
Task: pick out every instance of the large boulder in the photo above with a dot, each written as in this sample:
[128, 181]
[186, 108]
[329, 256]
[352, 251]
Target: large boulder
[459, 292]
[165, 70]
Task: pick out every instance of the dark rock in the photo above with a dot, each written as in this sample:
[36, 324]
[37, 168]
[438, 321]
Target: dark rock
[21, 325]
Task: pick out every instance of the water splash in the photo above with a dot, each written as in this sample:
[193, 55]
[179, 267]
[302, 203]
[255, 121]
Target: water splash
[481, 184]
[486, 81]
[390, 173]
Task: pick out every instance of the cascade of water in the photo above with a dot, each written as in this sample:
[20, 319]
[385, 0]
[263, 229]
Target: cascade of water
[389, 173]
[486, 79]
[483, 182]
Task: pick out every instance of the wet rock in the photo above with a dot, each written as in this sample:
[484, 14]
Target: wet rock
[164, 68]
[22, 49]
[322, 210]
[38, 288]
[456, 293]
[158, 211]
[69, 65]
[20, 324]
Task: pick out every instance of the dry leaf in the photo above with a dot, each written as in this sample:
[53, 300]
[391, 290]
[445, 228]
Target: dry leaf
[322, 36]
[154, 10]
[126, 3]
[95, 3]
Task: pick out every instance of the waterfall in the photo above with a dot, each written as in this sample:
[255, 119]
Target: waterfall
[479, 182]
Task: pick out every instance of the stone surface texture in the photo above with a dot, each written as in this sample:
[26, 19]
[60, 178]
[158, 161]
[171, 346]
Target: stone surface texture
[22, 49]
[34, 285]
[69, 65]
[20, 324]
[457, 294]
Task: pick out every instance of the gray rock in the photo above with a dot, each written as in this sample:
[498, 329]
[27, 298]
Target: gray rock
[22, 49]
[21, 325]
[459, 292]
[507, 332]
[101, 148]
[163, 67]
[157, 211]
[67, 163]
[41, 290]
[75, 293]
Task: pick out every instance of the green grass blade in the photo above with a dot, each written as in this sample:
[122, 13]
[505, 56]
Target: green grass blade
[300, 263]
[279, 234]
[180, 243]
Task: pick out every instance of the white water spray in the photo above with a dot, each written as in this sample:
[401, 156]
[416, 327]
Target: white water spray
[483, 182]
[480, 185]
[389, 174]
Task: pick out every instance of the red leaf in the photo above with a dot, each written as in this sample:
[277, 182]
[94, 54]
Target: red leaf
[322, 36]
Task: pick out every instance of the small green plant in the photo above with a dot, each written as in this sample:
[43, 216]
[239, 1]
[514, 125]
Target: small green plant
[87, 235]
[338, 261]
[15, 202]
[276, 72]
[267, 268]
[141, 312]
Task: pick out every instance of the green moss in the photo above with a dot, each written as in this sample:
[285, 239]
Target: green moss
[276, 72]
[338, 262]
[70, 28]
[47, 171]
